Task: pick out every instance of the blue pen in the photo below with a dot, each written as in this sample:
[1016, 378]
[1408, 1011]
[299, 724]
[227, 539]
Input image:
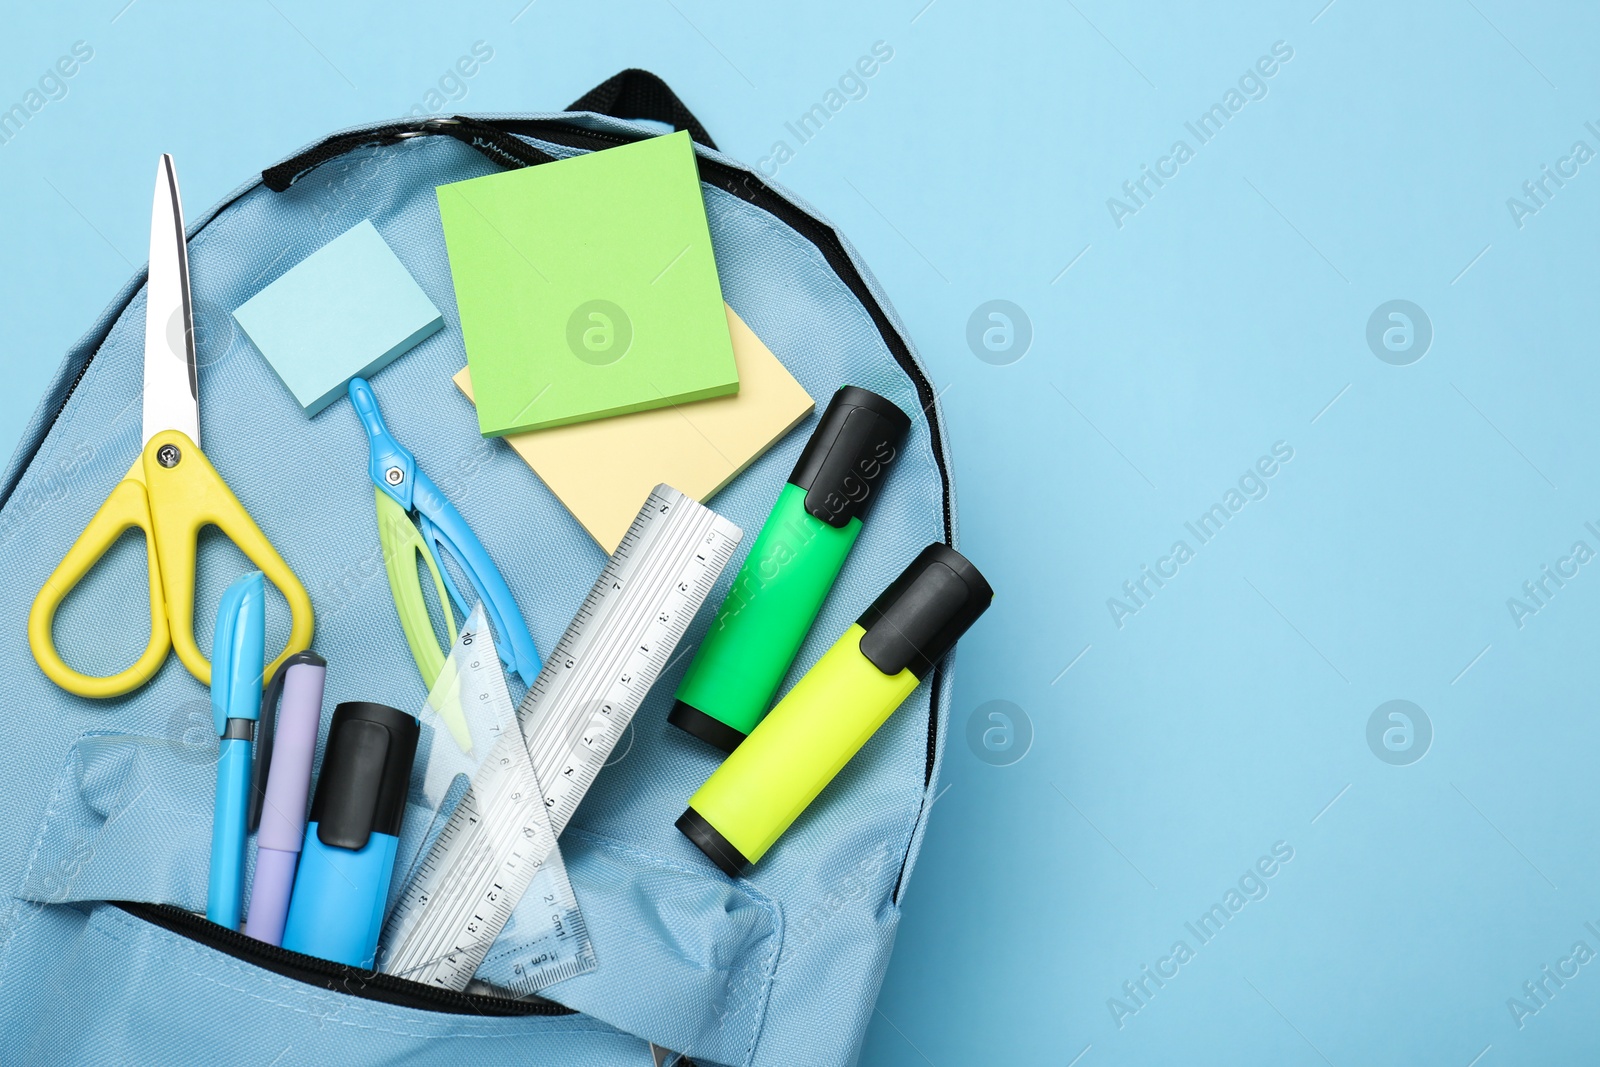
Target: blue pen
[238, 654]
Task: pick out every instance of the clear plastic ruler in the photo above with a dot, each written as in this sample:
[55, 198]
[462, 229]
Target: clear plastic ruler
[472, 878]
[474, 774]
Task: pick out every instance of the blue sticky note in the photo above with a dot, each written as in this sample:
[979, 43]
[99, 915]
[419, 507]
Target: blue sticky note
[350, 308]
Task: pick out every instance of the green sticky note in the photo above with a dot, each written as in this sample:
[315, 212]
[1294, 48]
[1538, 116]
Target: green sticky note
[350, 308]
[587, 287]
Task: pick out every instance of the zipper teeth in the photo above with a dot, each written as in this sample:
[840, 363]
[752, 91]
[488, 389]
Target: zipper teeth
[338, 977]
[753, 190]
[750, 188]
[738, 183]
[822, 236]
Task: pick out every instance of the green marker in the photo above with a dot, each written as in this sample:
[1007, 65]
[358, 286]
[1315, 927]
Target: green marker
[775, 598]
[761, 788]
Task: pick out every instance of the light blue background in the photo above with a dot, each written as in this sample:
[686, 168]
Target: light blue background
[1228, 314]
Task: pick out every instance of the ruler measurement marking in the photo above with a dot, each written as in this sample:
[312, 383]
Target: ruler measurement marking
[571, 719]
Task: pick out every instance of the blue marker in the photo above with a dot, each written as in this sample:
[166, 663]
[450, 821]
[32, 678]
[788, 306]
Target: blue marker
[238, 652]
[342, 883]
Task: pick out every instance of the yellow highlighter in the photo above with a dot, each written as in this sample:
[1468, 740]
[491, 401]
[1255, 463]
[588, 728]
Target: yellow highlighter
[804, 742]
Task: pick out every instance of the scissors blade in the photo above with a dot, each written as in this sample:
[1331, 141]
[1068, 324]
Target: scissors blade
[171, 386]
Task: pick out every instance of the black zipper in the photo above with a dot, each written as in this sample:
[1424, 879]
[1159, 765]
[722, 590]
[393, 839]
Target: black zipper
[487, 135]
[492, 138]
[753, 190]
[750, 188]
[368, 985]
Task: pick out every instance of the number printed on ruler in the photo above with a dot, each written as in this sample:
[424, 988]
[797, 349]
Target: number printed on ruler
[499, 829]
[578, 707]
[619, 643]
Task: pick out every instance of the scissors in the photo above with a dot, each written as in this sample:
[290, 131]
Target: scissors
[402, 490]
[170, 492]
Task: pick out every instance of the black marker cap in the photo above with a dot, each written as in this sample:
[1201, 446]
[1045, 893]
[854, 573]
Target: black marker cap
[717, 848]
[919, 617]
[712, 731]
[851, 448]
[365, 771]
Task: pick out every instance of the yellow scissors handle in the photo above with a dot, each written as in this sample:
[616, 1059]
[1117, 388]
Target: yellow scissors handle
[187, 494]
[126, 508]
[171, 493]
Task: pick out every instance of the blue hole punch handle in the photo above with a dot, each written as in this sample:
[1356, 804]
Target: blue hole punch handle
[387, 454]
[394, 470]
[446, 527]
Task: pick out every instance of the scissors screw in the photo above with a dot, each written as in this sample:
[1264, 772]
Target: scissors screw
[168, 455]
[394, 475]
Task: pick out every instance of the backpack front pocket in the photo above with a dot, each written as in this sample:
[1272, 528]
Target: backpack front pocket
[121, 989]
[118, 871]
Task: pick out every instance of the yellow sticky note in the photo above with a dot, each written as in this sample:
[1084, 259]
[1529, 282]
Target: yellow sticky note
[604, 469]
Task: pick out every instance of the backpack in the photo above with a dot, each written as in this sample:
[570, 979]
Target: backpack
[104, 847]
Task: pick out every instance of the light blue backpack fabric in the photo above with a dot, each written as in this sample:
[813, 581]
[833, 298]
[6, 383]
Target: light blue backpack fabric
[111, 800]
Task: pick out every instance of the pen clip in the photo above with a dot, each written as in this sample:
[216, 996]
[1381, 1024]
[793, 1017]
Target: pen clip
[266, 730]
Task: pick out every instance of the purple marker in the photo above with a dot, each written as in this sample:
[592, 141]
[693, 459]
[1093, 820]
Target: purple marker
[287, 741]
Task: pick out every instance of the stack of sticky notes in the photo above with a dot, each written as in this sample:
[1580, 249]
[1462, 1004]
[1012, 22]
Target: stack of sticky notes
[587, 287]
[350, 308]
[603, 470]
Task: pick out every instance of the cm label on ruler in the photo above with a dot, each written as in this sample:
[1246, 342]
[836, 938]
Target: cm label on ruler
[489, 853]
[433, 932]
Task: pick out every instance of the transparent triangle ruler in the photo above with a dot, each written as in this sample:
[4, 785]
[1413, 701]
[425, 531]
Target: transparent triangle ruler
[476, 872]
[474, 773]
